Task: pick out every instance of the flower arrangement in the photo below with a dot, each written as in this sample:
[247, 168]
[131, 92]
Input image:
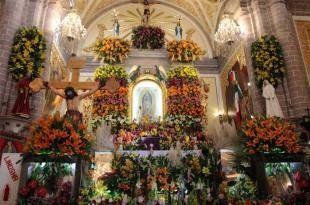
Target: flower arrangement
[46, 186]
[184, 99]
[268, 60]
[244, 189]
[184, 51]
[148, 37]
[111, 50]
[27, 54]
[270, 135]
[142, 178]
[58, 137]
[111, 107]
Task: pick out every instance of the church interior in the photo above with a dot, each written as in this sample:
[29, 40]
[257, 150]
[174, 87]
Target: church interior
[154, 102]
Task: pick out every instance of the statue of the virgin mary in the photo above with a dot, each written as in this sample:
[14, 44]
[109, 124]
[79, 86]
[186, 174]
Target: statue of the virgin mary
[147, 103]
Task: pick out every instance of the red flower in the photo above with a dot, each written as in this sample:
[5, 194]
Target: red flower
[33, 184]
[41, 192]
[24, 191]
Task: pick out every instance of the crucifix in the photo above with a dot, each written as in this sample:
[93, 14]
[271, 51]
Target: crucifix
[70, 87]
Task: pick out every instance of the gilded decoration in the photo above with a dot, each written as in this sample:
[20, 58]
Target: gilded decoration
[303, 31]
[141, 78]
[239, 56]
[58, 71]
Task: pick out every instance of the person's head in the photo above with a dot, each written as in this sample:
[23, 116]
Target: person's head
[70, 93]
[266, 82]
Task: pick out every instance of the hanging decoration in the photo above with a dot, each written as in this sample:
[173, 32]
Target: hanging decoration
[228, 31]
[268, 60]
[27, 54]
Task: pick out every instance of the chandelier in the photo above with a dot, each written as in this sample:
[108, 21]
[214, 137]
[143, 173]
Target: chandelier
[72, 28]
[228, 31]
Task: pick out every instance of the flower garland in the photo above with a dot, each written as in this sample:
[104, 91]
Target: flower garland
[268, 60]
[111, 50]
[270, 135]
[27, 54]
[148, 37]
[184, 99]
[56, 136]
[184, 51]
[111, 107]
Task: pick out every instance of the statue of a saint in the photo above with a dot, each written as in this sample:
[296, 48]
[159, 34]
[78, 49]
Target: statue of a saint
[147, 110]
[178, 31]
[273, 107]
[116, 28]
[146, 13]
[22, 106]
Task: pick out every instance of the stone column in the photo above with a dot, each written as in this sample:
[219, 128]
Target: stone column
[11, 20]
[261, 17]
[247, 25]
[52, 13]
[296, 75]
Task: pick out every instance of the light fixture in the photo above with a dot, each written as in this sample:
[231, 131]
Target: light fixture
[71, 27]
[228, 30]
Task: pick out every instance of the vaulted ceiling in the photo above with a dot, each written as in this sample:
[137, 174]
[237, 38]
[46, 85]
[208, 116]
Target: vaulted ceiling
[199, 17]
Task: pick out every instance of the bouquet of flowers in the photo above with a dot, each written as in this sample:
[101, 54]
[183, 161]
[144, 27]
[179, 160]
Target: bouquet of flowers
[268, 60]
[184, 51]
[270, 135]
[111, 107]
[148, 37]
[27, 53]
[55, 136]
[111, 50]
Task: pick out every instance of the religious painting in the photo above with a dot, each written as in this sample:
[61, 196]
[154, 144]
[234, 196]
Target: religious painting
[147, 101]
[238, 100]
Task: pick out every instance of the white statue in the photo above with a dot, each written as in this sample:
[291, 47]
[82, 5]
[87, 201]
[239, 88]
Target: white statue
[147, 105]
[178, 31]
[116, 28]
[273, 107]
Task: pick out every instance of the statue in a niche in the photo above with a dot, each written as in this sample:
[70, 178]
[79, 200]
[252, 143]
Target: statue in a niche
[147, 110]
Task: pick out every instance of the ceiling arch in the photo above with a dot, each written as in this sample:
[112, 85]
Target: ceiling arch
[203, 15]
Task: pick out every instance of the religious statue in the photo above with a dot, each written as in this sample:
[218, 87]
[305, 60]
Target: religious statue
[72, 99]
[22, 106]
[273, 107]
[147, 109]
[146, 13]
[178, 31]
[116, 28]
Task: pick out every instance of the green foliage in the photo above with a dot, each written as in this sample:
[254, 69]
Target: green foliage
[243, 189]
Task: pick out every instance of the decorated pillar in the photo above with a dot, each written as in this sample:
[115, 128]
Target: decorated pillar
[12, 15]
[247, 26]
[296, 74]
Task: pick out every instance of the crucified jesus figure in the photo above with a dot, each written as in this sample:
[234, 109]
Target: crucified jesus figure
[73, 99]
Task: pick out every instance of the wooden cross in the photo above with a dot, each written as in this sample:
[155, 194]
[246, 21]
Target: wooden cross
[75, 64]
